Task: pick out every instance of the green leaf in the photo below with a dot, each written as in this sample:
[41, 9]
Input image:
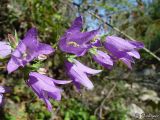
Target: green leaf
[67, 116]
[16, 36]
[36, 65]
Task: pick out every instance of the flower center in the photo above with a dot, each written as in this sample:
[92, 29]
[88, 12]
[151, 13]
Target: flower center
[24, 55]
[74, 44]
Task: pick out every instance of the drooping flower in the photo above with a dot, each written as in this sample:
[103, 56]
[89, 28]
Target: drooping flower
[2, 91]
[5, 49]
[122, 49]
[74, 41]
[103, 59]
[45, 87]
[28, 49]
[78, 74]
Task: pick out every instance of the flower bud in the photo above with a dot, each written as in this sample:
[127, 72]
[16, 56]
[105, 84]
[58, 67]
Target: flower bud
[42, 57]
[42, 70]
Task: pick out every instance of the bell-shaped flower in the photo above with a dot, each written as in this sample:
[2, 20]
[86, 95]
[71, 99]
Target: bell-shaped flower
[5, 49]
[74, 41]
[27, 50]
[122, 49]
[2, 91]
[78, 74]
[45, 87]
[103, 59]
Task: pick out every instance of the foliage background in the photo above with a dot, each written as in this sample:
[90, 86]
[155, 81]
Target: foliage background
[133, 91]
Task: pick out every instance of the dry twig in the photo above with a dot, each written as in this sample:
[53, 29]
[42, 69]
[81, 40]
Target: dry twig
[100, 107]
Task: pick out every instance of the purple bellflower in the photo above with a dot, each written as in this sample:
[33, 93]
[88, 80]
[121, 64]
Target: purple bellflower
[5, 49]
[99, 56]
[45, 87]
[2, 91]
[27, 50]
[78, 74]
[103, 59]
[76, 42]
[122, 49]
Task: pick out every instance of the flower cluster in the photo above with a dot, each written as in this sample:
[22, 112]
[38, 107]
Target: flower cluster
[74, 43]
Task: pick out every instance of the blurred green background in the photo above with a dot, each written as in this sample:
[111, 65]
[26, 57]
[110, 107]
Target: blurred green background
[118, 94]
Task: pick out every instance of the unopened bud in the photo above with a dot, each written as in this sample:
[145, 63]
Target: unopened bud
[42, 57]
[42, 71]
[12, 40]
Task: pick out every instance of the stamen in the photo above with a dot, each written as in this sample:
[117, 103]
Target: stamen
[73, 44]
[24, 55]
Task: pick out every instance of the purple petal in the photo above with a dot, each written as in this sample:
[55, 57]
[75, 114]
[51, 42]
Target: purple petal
[38, 87]
[78, 50]
[119, 44]
[24, 53]
[4, 89]
[138, 45]
[118, 54]
[103, 59]
[5, 49]
[97, 43]
[134, 54]
[48, 80]
[81, 78]
[125, 58]
[76, 25]
[78, 76]
[55, 95]
[39, 80]
[122, 49]
[13, 64]
[44, 49]
[30, 40]
[48, 104]
[1, 99]
[85, 82]
[85, 68]
[127, 62]
[76, 42]
[77, 84]
[21, 48]
[82, 38]
[27, 50]
[31, 34]
[62, 81]
[45, 88]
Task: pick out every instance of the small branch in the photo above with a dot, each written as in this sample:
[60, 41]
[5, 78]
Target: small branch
[100, 107]
[129, 37]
